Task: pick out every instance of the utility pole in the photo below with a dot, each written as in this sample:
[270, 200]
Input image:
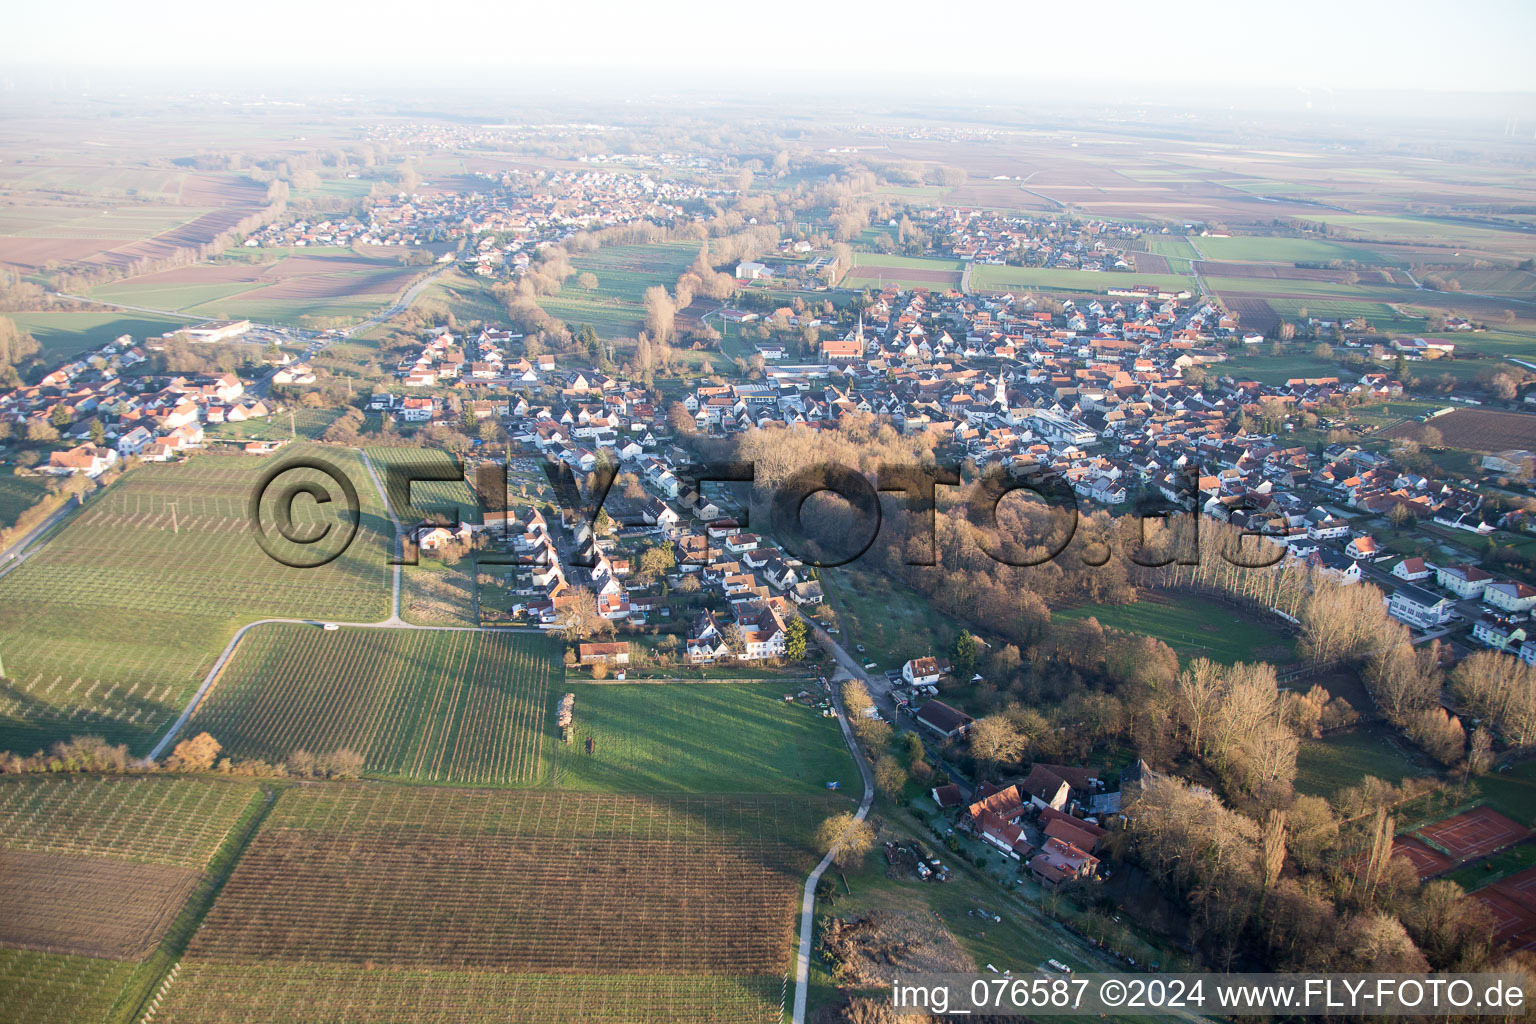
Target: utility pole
[292, 433]
[175, 527]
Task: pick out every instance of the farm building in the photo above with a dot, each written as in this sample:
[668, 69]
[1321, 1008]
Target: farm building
[604, 654]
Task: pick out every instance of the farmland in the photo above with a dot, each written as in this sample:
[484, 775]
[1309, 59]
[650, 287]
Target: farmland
[414, 903]
[871, 271]
[1261, 249]
[660, 738]
[294, 285]
[101, 867]
[421, 499]
[108, 627]
[1480, 430]
[427, 705]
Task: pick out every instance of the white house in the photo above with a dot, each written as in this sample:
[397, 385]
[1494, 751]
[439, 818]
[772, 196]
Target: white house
[1463, 580]
[921, 671]
[1508, 596]
[1413, 570]
[1418, 608]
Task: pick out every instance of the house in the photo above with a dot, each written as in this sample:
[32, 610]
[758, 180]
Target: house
[1413, 570]
[762, 630]
[1418, 608]
[1323, 525]
[806, 593]
[706, 643]
[604, 654]
[750, 270]
[944, 720]
[1464, 581]
[1500, 634]
[1361, 547]
[1059, 862]
[88, 459]
[921, 671]
[1082, 834]
[1510, 597]
[435, 537]
[1046, 789]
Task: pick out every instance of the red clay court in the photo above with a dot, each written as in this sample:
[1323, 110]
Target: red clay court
[1474, 833]
[1512, 903]
[1425, 861]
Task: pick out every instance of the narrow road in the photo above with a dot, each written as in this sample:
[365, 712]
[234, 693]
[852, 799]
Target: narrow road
[808, 897]
[18, 553]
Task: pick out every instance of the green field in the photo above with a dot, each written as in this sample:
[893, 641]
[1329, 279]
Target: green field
[614, 308]
[425, 705]
[700, 738]
[300, 423]
[1172, 246]
[1193, 626]
[109, 627]
[17, 494]
[1324, 766]
[1259, 249]
[1255, 363]
[1085, 282]
[63, 335]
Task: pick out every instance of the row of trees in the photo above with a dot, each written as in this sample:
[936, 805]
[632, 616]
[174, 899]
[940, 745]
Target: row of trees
[200, 753]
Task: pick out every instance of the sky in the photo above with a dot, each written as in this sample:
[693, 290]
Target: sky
[1311, 45]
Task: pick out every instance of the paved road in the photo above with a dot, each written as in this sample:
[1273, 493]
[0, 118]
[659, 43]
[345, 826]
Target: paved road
[18, 553]
[808, 897]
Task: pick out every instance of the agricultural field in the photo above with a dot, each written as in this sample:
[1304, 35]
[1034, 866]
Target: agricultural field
[871, 270]
[661, 737]
[427, 705]
[1170, 247]
[991, 278]
[63, 335]
[300, 422]
[1195, 627]
[294, 284]
[108, 628]
[1478, 430]
[370, 902]
[1261, 249]
[115, 215]
[454, 500]
[93, 872]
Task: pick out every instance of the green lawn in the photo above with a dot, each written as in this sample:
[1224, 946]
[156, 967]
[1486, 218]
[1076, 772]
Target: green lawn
[17, 494]
[1512, 792]
[1255, 363]
[1324, 766]
[1194, 627]
[1501, 865]
[700, 738]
